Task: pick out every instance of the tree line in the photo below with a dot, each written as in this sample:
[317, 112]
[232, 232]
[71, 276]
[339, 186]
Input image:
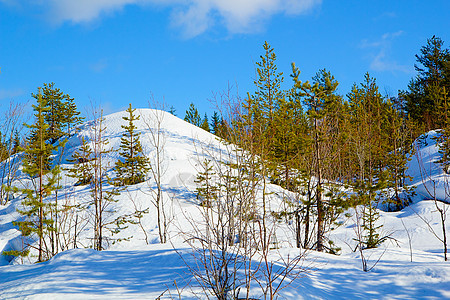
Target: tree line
[328, 151]
[315, 142]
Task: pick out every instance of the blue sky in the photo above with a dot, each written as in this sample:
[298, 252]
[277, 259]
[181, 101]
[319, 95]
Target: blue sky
[113, 52]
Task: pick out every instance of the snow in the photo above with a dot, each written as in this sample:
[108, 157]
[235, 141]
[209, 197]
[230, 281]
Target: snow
[147, 273]
[427, 175]
[134, 270]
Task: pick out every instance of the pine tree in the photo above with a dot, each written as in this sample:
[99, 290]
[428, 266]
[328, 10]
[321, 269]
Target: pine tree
[36, 165]
[433, 72]
[370, 228]
[268, 93]
[4, 153]
[322, 105]
[61, 114]
[219, 126]
[370, 135]
[255, 129]
[372, 238]
[290, 125]
[261, 107]
[16, 143]
[172, 110]
[205, 123]
[72, 115]
[135, 166]
[215, 123]
[206, 189]
[396, 159]
[81, 169]
[192, 116]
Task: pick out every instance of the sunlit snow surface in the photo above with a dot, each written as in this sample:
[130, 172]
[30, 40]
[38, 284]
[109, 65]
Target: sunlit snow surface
[135, 270]
[147, 273]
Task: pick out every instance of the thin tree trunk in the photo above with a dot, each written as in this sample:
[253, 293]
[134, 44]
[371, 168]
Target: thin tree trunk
[41, 212]
[444, 231]
[319, 192]
[297, 229]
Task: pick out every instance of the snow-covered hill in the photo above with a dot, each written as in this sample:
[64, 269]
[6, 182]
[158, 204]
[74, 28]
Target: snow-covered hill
[136, 270]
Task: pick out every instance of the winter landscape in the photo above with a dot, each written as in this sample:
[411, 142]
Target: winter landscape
[408, 265]
[220, 149]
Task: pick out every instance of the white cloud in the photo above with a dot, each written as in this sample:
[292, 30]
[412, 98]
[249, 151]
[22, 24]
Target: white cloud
[380, 53]
[193, 20]
[243, 15]
[84, 10]
[382, 63]
[192, 16]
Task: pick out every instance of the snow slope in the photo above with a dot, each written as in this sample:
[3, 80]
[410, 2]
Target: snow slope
[134, 270]
[427, 175]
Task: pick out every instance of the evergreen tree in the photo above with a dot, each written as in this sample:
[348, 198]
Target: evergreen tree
[257, 130]
[36, 165]
[215, 123]
[290, 125]
[433, 73]
[206, 189]
[61, 114]
[192, 116]
[370, 227]
[263, 104]
[54, 112]
[133, 169]
[72, 115]
[81, 169]
[172, 110]
[205, 123]
[219, 126]
[16, 143]
[268, 93]
[39, 134]
[322, 105]
[4, 153]
[379, 166]
[372, 238]
[400, 143]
